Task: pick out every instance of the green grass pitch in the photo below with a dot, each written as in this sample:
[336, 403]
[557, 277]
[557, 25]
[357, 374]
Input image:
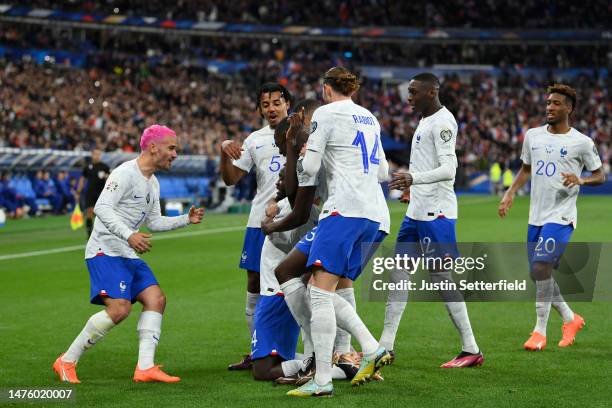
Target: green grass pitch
[44, 304]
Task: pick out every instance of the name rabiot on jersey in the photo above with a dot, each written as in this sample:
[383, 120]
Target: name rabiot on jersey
[348, 137]
[549, 155]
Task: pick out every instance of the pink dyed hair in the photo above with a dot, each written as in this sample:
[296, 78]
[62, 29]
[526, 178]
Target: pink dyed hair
[154, 134]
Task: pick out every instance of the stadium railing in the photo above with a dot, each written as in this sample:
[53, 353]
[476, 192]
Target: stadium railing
[185, 182]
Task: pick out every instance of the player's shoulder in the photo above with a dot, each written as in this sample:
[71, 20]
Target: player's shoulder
[324, 110]
[539, 130]
[264, 132]
[444, 117]
[126, 168]
[580, 137]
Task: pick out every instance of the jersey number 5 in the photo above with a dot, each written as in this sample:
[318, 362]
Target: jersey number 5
[274, 164]
[361, 142]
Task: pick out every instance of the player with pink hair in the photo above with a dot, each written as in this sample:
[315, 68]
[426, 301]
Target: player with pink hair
[118, 276]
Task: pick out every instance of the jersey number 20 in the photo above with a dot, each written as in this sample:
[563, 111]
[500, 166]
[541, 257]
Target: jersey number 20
[373, 158]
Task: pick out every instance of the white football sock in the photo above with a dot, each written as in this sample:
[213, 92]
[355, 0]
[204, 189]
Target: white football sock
[560, 306]
[544, 293]
[343, 338]
[96, 327]
[291, 367]
[457, 310]
[348, 319]
[298, 302]
[394, 309]
[149, 330]
[251, 304]
[323, 331]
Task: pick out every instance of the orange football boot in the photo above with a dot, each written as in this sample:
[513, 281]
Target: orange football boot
[536, 342]
[66, 371]
[153, 374]
[570, 330]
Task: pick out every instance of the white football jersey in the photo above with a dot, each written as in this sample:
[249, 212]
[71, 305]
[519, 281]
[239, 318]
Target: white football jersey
[320, 181]
[128, 201]
[259, 151]
[435, 136]
[348, 137]
[550, 155]
[277, 245]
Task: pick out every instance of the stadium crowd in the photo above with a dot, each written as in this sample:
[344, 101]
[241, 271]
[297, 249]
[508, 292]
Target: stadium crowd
[73, 109]
[105, 49]
[357, 13]
[131, 82]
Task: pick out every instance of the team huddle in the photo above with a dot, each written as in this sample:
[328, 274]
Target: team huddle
[318, 215]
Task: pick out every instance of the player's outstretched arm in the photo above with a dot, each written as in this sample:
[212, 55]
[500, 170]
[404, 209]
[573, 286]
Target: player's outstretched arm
[156, 222]
[299, 214]
[520, 180]
[597, 177]
[230, 150]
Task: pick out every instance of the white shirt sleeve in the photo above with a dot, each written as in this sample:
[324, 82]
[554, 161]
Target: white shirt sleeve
[526, 151]
[156, 222]
[590, 156]
[383, 165]
[446, 171]
[245, 162]
[114, 189]
[309, 165]
[320, 129]
[445, 138]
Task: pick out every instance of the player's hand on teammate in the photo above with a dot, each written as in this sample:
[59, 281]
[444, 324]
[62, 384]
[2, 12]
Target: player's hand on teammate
[271, 209]
[296, 122]
[266, 226]
[232, 149]
[140, 242]
[195, 215]
[571, 180]
[400, 181]
[405, 197]
[505, 204]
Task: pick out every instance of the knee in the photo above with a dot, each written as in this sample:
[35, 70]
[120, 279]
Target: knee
[119, 310]
[156, 303]
[541, 271]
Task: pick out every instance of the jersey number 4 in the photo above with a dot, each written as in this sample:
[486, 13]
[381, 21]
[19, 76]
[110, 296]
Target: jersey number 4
[373, 158]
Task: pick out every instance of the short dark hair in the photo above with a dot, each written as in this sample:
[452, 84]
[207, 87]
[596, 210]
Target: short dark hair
[309, 105]
[270, 87]
[565, 90]
[427, 77]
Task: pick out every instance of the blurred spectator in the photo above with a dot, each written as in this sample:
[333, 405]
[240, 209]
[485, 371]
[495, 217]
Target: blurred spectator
[44, 187]
[359, 13]
[14, 202]
[66, 189]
